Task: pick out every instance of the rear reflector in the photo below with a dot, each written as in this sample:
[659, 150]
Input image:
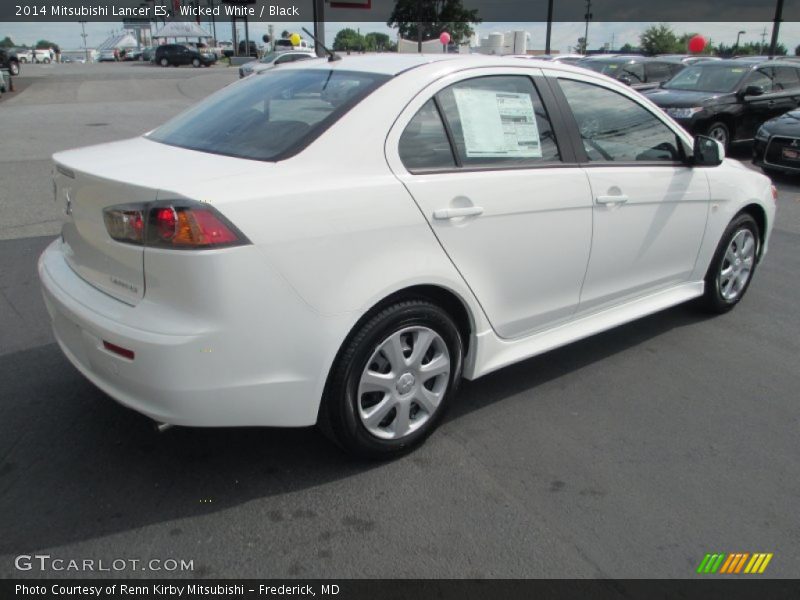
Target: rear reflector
[180, 225]
[124, 352]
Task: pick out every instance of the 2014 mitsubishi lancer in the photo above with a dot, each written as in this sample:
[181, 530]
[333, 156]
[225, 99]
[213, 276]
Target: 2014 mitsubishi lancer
[342, 242]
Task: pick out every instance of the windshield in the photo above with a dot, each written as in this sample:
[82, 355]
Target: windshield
[614, 69]
[269, 117]
[708, 78]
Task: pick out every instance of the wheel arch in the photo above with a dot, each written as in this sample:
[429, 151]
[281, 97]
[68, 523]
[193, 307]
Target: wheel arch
[760, 216]
[447, 299]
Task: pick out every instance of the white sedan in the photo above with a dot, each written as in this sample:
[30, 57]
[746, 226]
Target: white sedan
[342, 242]
[273, 59]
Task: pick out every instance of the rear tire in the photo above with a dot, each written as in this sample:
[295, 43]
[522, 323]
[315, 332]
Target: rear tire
[733, 265]
[13, 68]
[393, 380]
[196, 63]
[164, 62]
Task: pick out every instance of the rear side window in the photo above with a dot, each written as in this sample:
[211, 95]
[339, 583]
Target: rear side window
[615, 128]
[761, 77]
[498, 121]
[424, 144]
[269, 117]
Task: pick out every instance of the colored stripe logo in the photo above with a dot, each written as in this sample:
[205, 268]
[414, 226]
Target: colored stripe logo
[734, 563]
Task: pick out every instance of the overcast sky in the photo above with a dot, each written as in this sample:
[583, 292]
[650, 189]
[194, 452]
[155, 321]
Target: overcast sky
[565, 35]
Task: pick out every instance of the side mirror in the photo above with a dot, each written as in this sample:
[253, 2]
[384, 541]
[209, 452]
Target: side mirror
[707, 152]
[753, 90]
[625, 79]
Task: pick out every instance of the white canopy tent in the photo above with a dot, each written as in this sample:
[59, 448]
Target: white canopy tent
[125, 40]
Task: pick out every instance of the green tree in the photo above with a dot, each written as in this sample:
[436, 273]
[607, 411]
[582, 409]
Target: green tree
[433, 17]
[348, 39]
[44, 45]
[580, 47]
[378, 42]
[660, 39]
[627, 49]
[7, 42]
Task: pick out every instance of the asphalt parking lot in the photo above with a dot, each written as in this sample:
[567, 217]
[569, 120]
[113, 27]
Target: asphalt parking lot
[630, 454]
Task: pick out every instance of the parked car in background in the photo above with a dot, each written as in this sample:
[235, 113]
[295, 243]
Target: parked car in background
[729, 100]
[281, 255]
[272, 60]
[131, 54]
[108, 55]
[639, 72]
[284, 45]
[42, 56]
[687, 59]
[24, 55]
[179, 54]
[9, 60]
[777, 144]
[148, 53]
[253, 49]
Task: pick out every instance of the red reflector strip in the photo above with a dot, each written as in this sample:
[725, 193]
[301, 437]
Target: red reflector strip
[124, 352]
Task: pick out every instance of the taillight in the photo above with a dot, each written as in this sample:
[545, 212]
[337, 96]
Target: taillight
[181, 225]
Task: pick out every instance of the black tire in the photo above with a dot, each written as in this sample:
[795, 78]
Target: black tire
[717, 130]
[339, 418]
[196, 63]
[712, 299]
[164, 62]
[13, 68]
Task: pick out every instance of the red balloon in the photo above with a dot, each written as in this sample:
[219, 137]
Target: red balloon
[444, 38]
[697, 43]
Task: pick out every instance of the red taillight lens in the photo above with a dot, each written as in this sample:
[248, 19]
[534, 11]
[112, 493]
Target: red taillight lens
[184, 225]
[124, 352]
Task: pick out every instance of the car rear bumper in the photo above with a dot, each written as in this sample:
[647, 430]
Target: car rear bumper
[194, 373]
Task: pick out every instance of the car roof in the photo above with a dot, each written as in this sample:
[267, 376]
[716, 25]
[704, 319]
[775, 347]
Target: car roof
[386, 63]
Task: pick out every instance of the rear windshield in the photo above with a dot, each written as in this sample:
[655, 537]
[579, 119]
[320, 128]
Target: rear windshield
[269, 117]
[708, 77]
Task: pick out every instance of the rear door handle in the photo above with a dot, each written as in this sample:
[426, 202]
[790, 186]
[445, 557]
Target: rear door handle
[618, 199]
[456, 213]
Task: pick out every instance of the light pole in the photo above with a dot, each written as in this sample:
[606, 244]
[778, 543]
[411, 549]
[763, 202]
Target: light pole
[588, 17]
[736, 45]
[776, 27]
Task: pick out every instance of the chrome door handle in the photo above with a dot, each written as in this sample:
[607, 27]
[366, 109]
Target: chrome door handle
[456, 213]
[619, 199]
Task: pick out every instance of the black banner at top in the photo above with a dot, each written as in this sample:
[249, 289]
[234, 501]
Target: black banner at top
[381, 10]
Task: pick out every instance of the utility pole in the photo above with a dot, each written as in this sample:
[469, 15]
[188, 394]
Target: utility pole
[419, 27]
[549, 26]
[319, 26]
[588, 17]
[83, 35]
[776, 27]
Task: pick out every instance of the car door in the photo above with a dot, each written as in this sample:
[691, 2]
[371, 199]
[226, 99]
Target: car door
[786, 86]
[756, 108]
[482, 157]
[650, 209]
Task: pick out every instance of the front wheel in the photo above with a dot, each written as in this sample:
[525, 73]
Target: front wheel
[196, 63]
[393, 379]
[733, 265]
[164, 62]
[720, 132]
[13, 68]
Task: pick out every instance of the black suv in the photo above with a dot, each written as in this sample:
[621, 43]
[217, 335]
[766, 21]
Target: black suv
[9, 60]
[178, 54]
[639, 72]
[728, 100]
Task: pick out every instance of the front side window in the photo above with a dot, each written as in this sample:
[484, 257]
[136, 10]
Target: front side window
[761, 78]
[614, 128]
[786, 78]
[498, 121]
[657, 72]
[269, 117]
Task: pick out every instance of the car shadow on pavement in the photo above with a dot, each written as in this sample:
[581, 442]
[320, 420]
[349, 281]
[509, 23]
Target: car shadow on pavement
[75, 465]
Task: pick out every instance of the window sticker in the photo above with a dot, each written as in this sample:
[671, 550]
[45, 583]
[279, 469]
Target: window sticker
[498, 124]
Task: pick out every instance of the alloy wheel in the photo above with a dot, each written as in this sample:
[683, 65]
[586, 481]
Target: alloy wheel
[403, 382]
[737, 265]
[718, 133]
